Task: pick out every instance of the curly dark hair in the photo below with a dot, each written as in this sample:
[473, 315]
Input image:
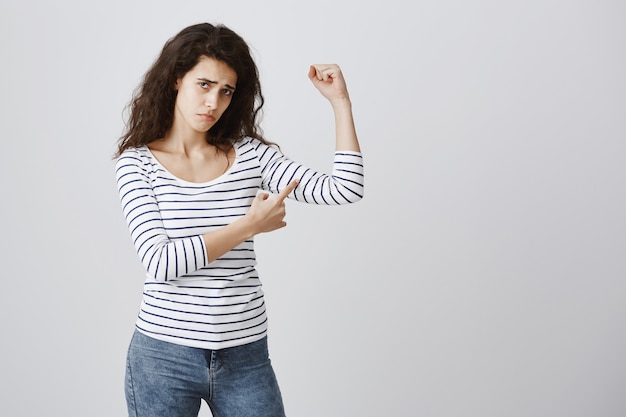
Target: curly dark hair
[152, 106]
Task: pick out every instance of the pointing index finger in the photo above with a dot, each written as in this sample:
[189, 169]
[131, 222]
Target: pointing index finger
[288, 189]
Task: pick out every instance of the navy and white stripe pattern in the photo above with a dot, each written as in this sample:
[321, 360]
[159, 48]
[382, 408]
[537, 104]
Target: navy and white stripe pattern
[186, 299]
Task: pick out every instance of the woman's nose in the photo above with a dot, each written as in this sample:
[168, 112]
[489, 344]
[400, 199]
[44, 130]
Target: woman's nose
[210, 100]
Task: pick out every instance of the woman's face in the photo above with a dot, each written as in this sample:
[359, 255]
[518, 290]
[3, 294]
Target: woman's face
[204, 93]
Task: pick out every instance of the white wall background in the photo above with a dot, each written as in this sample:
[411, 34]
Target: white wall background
[484, 274]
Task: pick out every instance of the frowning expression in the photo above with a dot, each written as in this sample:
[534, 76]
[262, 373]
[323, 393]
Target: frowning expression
[204, 93]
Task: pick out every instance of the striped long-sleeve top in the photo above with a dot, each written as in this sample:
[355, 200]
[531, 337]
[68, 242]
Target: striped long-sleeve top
[187, 299]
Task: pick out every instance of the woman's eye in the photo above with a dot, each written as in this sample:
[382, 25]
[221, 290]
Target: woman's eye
[203, 84]
[227, 92]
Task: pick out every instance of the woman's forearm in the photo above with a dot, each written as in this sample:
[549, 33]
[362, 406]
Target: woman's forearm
[221, 241]
[345, 131]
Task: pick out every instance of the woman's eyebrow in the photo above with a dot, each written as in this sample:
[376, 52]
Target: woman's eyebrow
[206, 80]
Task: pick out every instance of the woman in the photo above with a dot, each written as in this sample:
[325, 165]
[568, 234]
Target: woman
[188, 169]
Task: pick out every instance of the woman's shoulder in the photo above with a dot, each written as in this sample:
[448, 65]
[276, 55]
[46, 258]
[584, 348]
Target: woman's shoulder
[257, 145]
[247, 141]
[139, 156]
[138, 152]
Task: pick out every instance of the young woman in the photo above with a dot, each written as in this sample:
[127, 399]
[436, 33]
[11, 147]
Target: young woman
[188, 169]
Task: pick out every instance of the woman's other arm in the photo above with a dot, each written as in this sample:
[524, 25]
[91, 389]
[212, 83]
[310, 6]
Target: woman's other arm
[329, 80]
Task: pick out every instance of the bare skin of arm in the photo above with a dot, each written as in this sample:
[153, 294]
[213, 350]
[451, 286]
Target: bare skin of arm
[328, 79]
[265, 215]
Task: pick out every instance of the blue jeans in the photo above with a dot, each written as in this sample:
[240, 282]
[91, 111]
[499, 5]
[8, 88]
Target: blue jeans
[166, 379]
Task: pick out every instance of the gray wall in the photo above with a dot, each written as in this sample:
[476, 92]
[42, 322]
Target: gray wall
[483, 274]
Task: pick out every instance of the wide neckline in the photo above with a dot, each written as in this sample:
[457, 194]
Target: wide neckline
[192, 183]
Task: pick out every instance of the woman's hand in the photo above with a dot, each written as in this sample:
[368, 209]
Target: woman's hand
[328, 79]
[267, 212]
